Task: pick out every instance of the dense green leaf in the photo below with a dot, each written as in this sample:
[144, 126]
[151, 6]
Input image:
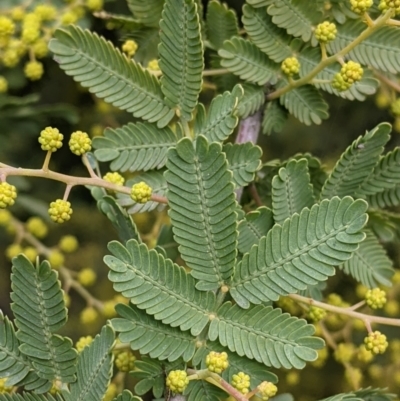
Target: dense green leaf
[306, 104]
[244, 59]
[222, 23]
[265, 334]
[120, 21]
[301, 252]
[96, 64]
[181, 56]
[296, 16]
[291, 190]
[386, 198]
[375, 394]
[273, 41]
[134, 147]
[126, 395]
[202, 210]
[244, 159]
[159, 286]
[252, 100]
[259, 3]
[94, 369]
[357, 163]
[380, 50]
[224, 82]
[149, 336]
[148, 12]
[29, 397]
[274, 118]
[39, 302]
[370, 264]
[200, 390]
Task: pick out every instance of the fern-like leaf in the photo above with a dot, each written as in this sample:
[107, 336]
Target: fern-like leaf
[296, 16]
[126, 395]
[200, 390]
[266, 335]
[291, 190]
[94, 369]
[386, 198]
[306, 104]
[252, 100]
[246, 60]
[243, 160]
[301, 252]
[96, 64]
[370, 264]
[202, 210]
[159, 286]
[221, 117]
[274, 118]
[259, 3]
[222, 23]
[357, 163]
[38, 301]
[134, 147]
[29, 397]
[149, 336]
[181, 56]
[273, 41]
[380, 50]
[148, 12]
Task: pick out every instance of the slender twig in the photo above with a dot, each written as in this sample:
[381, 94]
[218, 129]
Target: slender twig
[393, 84]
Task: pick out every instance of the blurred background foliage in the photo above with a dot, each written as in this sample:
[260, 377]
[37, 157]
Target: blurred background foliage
[56, 100]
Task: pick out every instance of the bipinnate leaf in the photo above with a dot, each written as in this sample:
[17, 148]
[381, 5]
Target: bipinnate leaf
[158, 286]
[247, 61]
[94, 369]
[134, 147]
[370, 264]
[202, 210]
[126, 395]
[96, 64]
[29, 397]
[273, 41]
[221, 119]
[274, 118]
[221, 22]
[147, 12]
[39, 302]
[244, 159]
[252, 100]
[357, 163]
[149, 336]
[301, 252]
[181, 56]
[291, 190]
[265, 334]
[200, 390]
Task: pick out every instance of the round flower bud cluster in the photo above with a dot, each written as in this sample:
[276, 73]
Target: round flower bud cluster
[241, 382]
[385, 5]
[80, 143]
[125, 361]
[316, 314]
[68, 243]
[5, 217]
[51, 139]
[267, 390]
[364, 355]
[7, 27]
[141, 192]
[395, 107]
[129, 47]
[111, 393]
[83, 342]
[37, 227]
[375, 298]
[177, 381]
[353, 376]
[94, 5]
[217, 361]
[3, 386]
[56, 259]
[350, 73]
[376, 342]
[114, 178]
[8, 194]
[30, 28]
[3, 85]
[344, 352]
[361, 6]
[13, 250]
[45, 12]
[153, 65]
[290, 66]
[33, 70]
[88, 315]
[31, 253]
[325, 32]
[87, 277]
[60, 211]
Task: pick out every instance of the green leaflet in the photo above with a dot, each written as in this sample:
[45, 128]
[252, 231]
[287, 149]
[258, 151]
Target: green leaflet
[274, 118]
[244, 59]
[38, 302]
[126, 395]
[363, 394]
[380, 50]
[244, 159]
[202, 210]
[148, 12]
[224, 82]
[291, 190]
[265, 334]
[357, 163]
[96, 64]
[158, 286]
[222, 23]
[259, 3]
[296, 16]
[252, 100]
[134, 147]
[273, 41]
[29, 397]
[200, 390]
[370, 264]
[386, 198]
[181, 56]
[221, 117]
[149, 336]
[94, 369]
[301, 252]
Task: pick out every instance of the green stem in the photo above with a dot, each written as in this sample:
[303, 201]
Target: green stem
[186, 129]
[378, 23]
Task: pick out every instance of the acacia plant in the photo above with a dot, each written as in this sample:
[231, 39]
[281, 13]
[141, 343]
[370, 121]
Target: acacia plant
[207, 321]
